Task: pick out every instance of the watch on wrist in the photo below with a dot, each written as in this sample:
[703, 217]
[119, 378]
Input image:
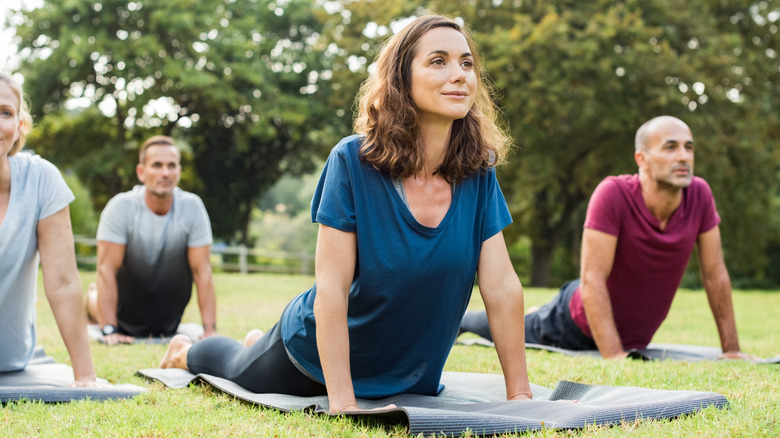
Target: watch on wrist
[108, 329]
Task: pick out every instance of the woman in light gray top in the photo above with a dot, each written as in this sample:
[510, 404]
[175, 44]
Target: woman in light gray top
[35, 226]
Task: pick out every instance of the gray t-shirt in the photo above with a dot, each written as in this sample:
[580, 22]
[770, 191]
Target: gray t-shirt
[155, 280]
[37, 192]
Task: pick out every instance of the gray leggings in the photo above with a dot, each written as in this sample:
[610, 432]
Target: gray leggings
[263, 367]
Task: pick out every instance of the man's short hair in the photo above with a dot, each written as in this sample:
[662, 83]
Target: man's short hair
[154, 141]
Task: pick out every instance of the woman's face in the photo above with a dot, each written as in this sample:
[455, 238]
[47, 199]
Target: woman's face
[443, 77]
[10, 123]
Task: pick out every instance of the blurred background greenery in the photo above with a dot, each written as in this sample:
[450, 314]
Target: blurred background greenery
[257, 92]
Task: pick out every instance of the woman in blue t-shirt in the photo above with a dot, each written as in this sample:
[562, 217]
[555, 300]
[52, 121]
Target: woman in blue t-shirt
[35, 221]
[409, 210]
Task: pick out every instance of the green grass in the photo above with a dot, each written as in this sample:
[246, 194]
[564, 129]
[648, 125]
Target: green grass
[255, 301]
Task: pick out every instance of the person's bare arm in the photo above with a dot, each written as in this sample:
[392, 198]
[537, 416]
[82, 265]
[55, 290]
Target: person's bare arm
[335, 260]
[62, 284]
[110, 256]
[716, 281]
[200, 264]
[598, 255]
[502, 294]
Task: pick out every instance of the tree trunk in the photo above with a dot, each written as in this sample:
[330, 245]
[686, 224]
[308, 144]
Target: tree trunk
[246, 218]
[541, 262]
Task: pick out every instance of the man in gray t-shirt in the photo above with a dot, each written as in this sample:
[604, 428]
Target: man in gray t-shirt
[153, 241]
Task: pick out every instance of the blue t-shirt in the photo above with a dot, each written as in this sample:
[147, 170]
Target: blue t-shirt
[412, 283]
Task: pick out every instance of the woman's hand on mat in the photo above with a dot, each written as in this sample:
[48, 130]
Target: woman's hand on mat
[89, 384]
[346, 408]
[117, 338]
[353, 407]
[521, 396]
[738, 355]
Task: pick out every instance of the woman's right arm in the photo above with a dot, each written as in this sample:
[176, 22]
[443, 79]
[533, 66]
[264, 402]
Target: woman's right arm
[335, 262]
[62, 284]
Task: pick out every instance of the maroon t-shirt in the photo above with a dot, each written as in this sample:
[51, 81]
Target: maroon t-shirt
[649, 262]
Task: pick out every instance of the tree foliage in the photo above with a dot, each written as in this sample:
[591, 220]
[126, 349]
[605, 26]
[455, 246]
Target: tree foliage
[576, 79]
[238, 82]
[256, 87]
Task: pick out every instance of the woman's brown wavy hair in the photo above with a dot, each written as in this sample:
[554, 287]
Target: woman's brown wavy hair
[387, 115]
[22, 112]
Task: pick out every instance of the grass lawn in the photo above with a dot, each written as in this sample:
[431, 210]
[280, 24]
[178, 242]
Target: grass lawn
[255, 301]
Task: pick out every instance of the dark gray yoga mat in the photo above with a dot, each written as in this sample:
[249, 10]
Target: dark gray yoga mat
[477, 403]
[47, 381]
[654, 351]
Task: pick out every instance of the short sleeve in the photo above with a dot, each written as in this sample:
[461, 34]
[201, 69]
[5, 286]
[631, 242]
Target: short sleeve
[333, 203]
[710, 217]
[496, 209]
[200, 233]
[112, 226]
[604, 210]
[54, 193]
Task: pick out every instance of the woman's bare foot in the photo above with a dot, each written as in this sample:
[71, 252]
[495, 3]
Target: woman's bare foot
[252, 337]
[176, 354]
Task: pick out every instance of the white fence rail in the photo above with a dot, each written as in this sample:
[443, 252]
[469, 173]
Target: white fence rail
[229, 259]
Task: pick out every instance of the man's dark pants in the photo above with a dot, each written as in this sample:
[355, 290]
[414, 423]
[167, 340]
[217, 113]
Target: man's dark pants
[550, 325]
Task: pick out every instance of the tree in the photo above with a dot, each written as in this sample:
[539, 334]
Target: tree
[210, 72]
[85, 143]
[256, 87]
[585, 75]
[576, 79]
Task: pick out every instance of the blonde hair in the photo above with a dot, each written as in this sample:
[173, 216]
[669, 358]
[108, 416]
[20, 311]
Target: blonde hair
[22, 112]
[387, 115]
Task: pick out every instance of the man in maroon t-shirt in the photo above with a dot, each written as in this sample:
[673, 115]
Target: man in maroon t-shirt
[639, 234]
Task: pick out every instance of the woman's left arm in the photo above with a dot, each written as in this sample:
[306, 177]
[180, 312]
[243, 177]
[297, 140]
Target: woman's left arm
[62, 284]
[502, 294]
